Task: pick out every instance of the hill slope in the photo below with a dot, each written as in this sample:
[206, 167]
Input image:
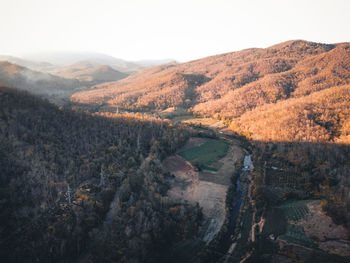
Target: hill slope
[232, 84]
[74, 184]
[322, 116]
[90, 74]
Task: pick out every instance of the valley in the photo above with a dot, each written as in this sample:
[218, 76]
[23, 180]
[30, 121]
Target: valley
[238, 157]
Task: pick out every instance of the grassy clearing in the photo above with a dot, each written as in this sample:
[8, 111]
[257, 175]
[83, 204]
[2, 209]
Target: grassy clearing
[204, 155]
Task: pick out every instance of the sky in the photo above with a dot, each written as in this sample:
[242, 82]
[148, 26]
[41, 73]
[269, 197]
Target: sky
[157, 29]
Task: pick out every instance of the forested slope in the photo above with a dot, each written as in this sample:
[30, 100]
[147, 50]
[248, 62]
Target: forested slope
[322, 116]
[73, 184]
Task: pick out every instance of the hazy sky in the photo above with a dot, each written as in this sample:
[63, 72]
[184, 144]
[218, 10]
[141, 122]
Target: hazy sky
[179, 29]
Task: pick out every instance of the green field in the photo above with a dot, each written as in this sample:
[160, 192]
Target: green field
[205, 155]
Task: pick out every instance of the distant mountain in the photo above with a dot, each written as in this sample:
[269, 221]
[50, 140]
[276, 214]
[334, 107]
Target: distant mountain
[154, 62]
[86, 72]
[34, 65]
[68, 58]
[47, 85]
[96, 59]
[235, 85]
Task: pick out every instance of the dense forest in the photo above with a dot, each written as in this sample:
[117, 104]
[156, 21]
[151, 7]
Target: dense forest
[79, 186]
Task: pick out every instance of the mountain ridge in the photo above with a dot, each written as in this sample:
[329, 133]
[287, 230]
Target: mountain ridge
[86, 71]
[230, 84]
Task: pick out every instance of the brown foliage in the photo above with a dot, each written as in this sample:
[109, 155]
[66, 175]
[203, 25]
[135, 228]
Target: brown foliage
[255, 87]
[44, 149]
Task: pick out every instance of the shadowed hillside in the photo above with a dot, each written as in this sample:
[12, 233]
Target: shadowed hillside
[79, 186]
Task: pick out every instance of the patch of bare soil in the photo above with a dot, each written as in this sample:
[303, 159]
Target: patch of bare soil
[218, 125]
[338, 247]
[210, 196]
[331, 237]
[228, 131]
[178, 166]
[169, 110]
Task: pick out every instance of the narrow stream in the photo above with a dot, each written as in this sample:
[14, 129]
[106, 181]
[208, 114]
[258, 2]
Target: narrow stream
[239, 196]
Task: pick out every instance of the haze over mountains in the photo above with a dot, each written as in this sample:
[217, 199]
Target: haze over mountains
[59, 75]
[94, 58]
[36, 82]
[34, 65]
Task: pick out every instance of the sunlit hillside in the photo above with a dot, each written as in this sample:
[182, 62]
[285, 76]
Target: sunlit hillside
[239, 86]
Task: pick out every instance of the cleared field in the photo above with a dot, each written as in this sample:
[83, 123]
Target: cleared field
[295, 234]
[208, 122]
[295, 210]
[173, 113]
[204, 155]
